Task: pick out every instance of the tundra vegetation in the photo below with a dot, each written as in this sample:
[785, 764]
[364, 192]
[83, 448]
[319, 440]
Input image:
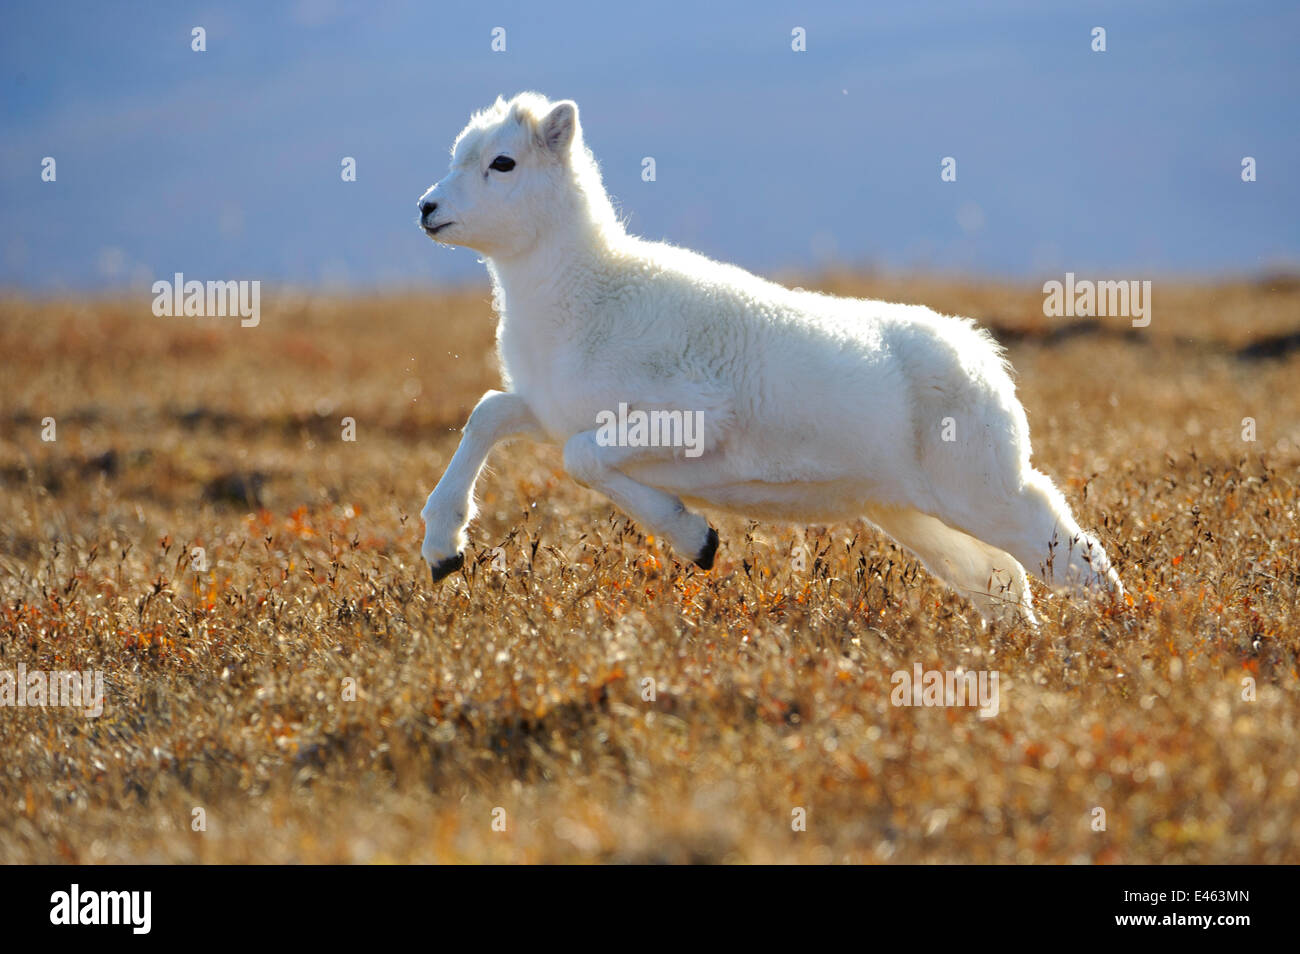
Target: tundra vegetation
[282, 682]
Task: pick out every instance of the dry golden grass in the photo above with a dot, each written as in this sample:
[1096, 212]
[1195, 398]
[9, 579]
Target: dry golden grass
[522, 689]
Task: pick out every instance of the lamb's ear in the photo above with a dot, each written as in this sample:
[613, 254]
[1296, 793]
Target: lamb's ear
[560, 127]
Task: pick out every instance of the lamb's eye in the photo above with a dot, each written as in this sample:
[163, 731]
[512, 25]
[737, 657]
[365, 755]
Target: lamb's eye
[502, 164]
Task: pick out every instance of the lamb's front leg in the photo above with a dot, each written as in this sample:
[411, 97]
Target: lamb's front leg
[498, 416]
[596, 466]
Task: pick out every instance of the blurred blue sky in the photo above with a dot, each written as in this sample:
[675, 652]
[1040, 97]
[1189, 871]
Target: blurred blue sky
[225, 164]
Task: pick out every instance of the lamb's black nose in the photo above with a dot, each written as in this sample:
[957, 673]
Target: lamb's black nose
[427, 208]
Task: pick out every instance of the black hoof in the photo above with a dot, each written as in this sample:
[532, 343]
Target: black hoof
[444, 568]
[705, 559]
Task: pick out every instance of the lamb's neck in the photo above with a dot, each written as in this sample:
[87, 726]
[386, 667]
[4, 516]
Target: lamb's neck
[548, 280]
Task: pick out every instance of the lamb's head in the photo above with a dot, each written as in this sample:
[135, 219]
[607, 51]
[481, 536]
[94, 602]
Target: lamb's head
[519, 172]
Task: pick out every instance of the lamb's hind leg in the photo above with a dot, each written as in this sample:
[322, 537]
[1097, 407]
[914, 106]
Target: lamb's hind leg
[992, 580]
[1034, 523]
[595, 465]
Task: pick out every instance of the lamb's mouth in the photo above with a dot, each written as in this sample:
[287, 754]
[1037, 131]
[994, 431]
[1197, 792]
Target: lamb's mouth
[432, 230]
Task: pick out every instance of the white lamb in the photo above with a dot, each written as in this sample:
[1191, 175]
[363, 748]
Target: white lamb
[814, 408]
